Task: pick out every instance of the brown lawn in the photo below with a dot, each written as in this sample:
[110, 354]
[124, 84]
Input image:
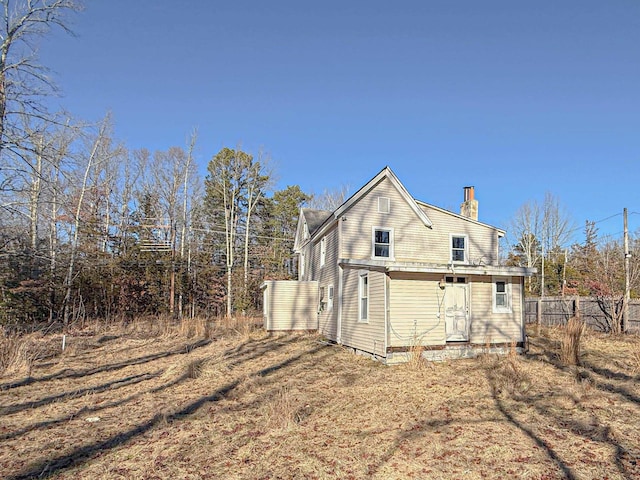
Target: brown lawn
[251, 405]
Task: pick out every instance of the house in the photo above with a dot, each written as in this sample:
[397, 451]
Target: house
[385, 272]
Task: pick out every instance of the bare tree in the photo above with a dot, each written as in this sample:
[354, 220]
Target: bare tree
[539, 231]
[93, 157]
[23, 81]
[526, 229]
[329, 199]
[258, 175]
[225, 189]
[606, 282]
[185, 213]
[556, 224]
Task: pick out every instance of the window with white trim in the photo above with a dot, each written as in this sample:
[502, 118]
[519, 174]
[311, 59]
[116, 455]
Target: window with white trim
[301, 266]
[459, 248]
[330, 297]
[384, 205]
[382, 243]
[323, 251]
[501, 295]
[323, 302]
[363, 310]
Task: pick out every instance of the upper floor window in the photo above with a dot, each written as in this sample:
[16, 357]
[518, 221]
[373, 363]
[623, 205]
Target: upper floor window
[301, 266]
[382, 243]
[323, 251]
[459, 248]
[501, 295]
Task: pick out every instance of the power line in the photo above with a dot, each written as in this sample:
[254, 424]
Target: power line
[222, 232]
[597, 221]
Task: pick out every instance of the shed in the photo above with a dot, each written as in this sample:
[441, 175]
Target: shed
[290, 305]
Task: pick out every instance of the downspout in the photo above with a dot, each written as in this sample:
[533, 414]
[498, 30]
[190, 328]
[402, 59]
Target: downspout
[387, 317]
[522, 319]
[340, 282]
[339, 323]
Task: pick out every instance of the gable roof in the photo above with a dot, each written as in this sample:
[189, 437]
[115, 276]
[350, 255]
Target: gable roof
[315, 218]
[318, 221]
[311, 220]
[500, 231]
[387, 173]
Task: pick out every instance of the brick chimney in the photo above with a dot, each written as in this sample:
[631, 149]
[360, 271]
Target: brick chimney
[469, 208]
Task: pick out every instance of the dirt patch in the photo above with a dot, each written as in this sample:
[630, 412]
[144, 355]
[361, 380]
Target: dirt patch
[252, 405]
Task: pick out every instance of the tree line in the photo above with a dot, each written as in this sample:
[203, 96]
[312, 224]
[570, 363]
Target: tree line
[541, 235]
[90, 228]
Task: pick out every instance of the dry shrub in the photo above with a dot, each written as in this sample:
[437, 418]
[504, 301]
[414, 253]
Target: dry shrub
[487, 344]
[415, 361]
[242, 326]
[284, 412]
[509, 374]
[9, 348]
[635, 361]
[16, 354]
[570, 348]
[197, 327]
[194, 368]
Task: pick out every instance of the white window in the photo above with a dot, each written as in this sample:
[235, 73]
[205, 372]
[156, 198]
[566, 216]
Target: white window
[459, 248]
[382, 243]
[330, 297]
[384, 205]
[323, 251]
[501, 295]
[363, 315]
[323, 301]
[305, 231]
[301, 266]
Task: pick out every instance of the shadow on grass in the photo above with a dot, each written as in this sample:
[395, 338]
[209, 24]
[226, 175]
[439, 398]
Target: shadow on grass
[67, 373]
[601, 379]
[551, 453]
[258, 348]
[119, 383]
[53, 466]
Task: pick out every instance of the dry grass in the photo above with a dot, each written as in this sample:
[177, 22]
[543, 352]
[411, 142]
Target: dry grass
[239, 403]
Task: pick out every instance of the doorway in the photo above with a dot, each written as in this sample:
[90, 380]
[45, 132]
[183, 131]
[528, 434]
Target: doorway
[456, 312]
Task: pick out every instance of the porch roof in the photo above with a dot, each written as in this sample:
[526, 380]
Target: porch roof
[446, 269]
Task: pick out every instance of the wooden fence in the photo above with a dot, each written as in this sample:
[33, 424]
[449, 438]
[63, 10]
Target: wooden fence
[557, 310]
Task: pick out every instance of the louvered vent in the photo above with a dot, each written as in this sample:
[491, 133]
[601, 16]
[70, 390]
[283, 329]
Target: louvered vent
[384, 205]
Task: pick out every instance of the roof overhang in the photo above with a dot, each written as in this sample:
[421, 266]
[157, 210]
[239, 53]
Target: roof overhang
[448, 269]
[387, 173]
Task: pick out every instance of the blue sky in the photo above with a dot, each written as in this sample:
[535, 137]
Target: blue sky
[515, 98]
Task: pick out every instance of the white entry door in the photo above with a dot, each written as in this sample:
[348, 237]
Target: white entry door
[456, 312]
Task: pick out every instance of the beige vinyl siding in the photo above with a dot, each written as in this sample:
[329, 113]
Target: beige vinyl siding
[412, 240]
[414, 301]
[483, 240]
[487, 326]
[307, 250]
[328, 275]
[409, 236]
[290, 305]
[366, 336]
